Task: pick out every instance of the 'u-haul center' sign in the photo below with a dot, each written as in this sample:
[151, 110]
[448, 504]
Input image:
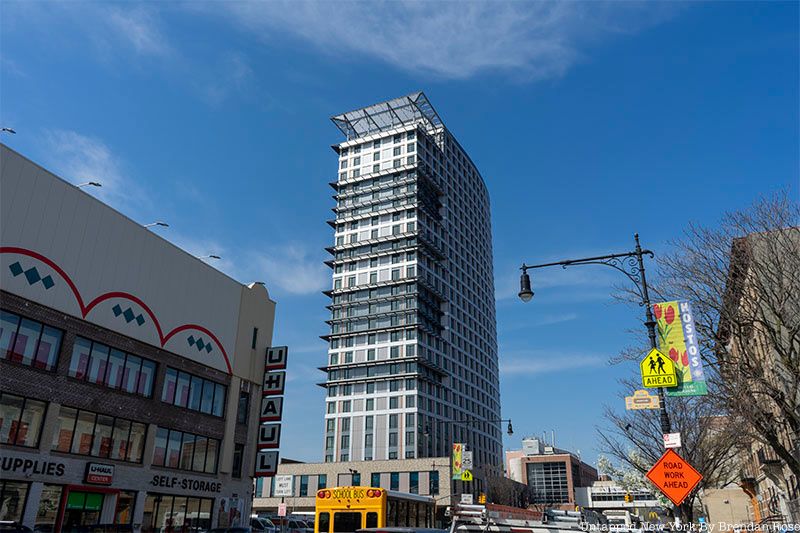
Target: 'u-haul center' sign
[269, 431]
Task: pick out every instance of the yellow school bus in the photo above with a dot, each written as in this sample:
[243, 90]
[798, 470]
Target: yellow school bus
[348, 509]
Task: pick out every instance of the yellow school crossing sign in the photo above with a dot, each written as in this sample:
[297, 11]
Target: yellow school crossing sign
[466, 475]
[658, 370]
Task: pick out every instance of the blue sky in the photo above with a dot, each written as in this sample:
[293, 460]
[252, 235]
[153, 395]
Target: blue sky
[588, 121]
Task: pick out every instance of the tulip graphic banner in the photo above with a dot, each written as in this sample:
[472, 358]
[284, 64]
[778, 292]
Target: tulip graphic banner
[458, 467]
[677, 337]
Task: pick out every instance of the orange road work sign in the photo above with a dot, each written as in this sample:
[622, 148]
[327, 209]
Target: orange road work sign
[674, 477]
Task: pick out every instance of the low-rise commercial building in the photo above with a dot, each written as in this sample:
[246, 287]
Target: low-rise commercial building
[428, 477]
[552, 474]
[129, 370]
[608, 495]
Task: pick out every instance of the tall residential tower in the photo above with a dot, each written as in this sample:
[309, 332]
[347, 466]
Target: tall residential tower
[412, 361]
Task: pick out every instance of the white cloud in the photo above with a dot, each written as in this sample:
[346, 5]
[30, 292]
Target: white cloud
[291, 268]
[79, 158]
[537, 363]
[446, 38]
[284, 268]
[549, 320]
[139, 28]
[232, 74]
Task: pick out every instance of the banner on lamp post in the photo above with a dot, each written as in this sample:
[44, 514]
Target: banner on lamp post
[677, 339]
[458, 467]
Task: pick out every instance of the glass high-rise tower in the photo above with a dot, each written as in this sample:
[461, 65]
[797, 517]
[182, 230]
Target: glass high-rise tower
[412, 361]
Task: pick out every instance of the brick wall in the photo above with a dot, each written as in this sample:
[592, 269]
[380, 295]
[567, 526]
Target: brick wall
[57, 386]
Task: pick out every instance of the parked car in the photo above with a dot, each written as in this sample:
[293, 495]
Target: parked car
[262, 524]
[235, 529]
[290, 525]
[7, 526]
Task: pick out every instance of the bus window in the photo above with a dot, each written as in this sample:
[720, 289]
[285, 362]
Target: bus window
[346, 522]
[391, 513]
[402, 513]
[323, 523]
[372, 520]
[412, 514]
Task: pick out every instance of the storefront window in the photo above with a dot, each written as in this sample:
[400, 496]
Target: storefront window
[87, 433]
[62, 438]
[82, 509]
[119, 445]
[186, 451]
[136, 442]
[211, 456]
[48, 507]
[84, 429]
[125, 504]
[12, 500]
[102, 436]
[173, 449]
[160, 448]
[20, 420]
[176, 513]
[200, 447]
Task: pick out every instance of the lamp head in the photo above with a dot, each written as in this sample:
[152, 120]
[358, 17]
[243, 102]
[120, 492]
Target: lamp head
[525, 292]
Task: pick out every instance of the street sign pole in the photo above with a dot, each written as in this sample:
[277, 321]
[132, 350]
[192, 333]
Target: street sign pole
[650, 323]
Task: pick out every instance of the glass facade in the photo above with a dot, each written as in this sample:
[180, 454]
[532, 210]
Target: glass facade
[549, 483]
[412, 237]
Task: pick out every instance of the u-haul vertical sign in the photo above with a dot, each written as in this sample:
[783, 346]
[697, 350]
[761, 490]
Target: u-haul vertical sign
[269, 430]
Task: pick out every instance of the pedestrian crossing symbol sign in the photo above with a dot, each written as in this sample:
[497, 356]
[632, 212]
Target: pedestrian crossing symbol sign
[466, 475]
[658, 370]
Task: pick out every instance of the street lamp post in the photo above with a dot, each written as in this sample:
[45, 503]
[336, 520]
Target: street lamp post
[464, 421]
[632, 265]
